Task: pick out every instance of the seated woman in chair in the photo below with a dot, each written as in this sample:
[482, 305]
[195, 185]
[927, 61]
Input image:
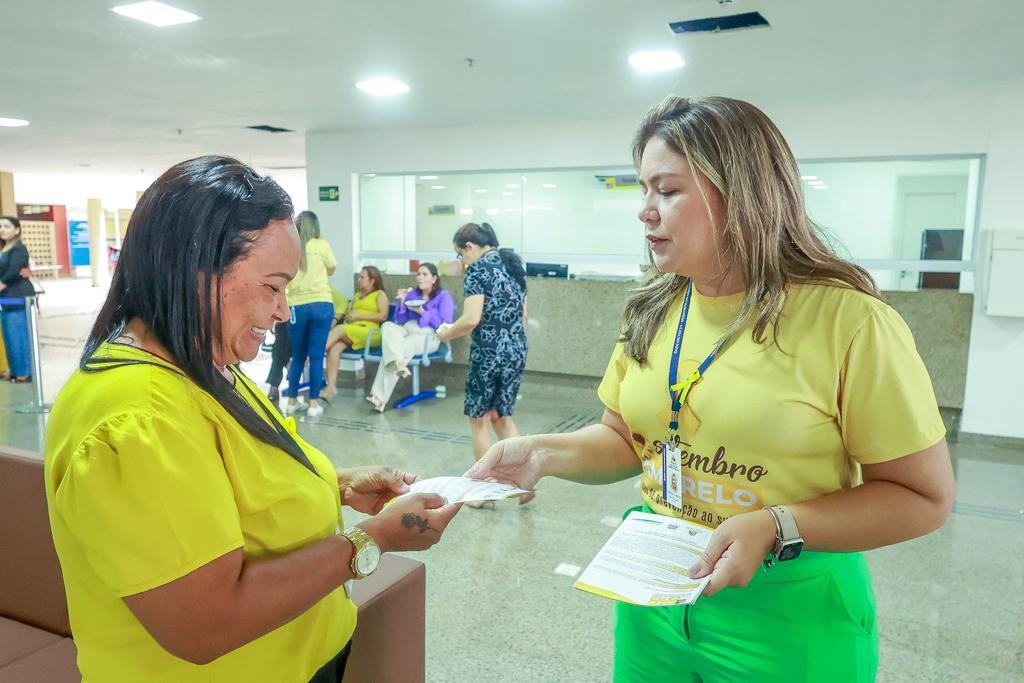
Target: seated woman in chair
[368, 310]
[420, 311]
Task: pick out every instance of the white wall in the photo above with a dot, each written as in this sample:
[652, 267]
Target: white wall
[118, 190]
[979, 124]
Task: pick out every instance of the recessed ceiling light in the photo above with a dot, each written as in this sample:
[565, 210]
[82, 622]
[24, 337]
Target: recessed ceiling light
[13, 123]
[492, 212]
[659, 60]
[382, 87]
[465, 212]
[428, 177]
[550, 186]
[512, 186]
[437, 187]
[808, 177]
[506, 194]
[480, 191]
[819, 187]
[155, 13]
[815, 182]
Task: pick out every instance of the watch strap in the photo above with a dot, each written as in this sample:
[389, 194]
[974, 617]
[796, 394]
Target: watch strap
[359, 540]
[785, 523]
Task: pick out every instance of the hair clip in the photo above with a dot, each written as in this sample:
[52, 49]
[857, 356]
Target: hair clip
[248, 182]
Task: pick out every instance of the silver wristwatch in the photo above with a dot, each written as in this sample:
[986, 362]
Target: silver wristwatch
[788, 543]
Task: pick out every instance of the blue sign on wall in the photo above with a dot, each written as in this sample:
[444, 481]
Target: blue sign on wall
[78, 240]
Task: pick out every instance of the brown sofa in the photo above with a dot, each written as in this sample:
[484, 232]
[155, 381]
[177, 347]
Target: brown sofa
[35, 636]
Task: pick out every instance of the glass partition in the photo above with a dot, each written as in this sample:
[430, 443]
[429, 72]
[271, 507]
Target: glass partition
[890, 215]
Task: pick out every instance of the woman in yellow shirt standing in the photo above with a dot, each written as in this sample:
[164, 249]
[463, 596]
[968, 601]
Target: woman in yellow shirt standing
[764, 376]
[368, 310]
[200, 537]
[312, 312]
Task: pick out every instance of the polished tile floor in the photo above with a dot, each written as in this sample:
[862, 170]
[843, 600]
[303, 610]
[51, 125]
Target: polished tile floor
[951, 605]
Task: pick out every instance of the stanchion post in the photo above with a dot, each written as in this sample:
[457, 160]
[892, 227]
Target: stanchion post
[32, 309]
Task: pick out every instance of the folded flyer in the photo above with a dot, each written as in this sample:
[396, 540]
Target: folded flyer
[646, 560]
[464, 489]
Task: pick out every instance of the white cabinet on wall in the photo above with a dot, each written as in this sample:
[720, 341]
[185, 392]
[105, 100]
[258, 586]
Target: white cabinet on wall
[1005, 292]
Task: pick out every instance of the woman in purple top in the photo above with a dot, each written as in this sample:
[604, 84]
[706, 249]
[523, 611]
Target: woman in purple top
[414, 331]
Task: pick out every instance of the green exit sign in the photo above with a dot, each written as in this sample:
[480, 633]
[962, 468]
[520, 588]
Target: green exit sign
[329, 193]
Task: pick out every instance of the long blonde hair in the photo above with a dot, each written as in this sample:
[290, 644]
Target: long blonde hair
[767, 233]
[308, 226]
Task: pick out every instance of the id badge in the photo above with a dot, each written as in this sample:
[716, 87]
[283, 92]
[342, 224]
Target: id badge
[292, 318]
[671, 475]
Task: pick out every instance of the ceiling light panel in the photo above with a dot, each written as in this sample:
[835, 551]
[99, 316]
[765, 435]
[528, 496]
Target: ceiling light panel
[155, 13]
[13, 123]
[658, 60]
[383, 87]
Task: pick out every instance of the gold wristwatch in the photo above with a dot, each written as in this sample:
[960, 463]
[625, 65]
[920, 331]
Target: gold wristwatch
[365, 552]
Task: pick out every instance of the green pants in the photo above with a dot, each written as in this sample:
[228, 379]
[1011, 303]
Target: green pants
[809, 619]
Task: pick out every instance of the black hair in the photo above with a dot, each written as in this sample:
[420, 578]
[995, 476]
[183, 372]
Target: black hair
[190, 226]
[16, 223]
[483, 235]
[436, 289]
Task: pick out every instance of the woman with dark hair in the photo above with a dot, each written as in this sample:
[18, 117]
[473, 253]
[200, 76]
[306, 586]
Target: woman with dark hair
[494, 311]
[763, 375]
[312, 313]
[14, 285]
[421, 310]
[368, 310]
[198, 533]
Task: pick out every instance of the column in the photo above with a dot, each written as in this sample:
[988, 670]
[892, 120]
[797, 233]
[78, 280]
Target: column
[97, 243]
[7, 205]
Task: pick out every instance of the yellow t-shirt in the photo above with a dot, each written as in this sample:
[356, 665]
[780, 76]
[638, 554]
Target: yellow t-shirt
[768, 426]
[149, 478]
[310, 286]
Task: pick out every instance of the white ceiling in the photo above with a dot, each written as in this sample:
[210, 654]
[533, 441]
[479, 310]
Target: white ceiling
[104, 90]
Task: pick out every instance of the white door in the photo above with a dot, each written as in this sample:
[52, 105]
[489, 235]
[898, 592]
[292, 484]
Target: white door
[937, 202]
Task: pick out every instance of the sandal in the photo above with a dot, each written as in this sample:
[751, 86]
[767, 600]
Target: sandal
[21, 380]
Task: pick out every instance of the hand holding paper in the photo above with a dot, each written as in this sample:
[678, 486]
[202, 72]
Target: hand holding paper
[646, 562]
[464, 490]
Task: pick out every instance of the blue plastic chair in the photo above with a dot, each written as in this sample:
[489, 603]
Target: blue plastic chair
[424, 359]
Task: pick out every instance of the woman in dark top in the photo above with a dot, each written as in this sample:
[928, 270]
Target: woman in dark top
[14, 285]
[494, 310]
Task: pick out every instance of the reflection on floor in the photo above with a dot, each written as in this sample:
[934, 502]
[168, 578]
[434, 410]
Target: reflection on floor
[950, 605]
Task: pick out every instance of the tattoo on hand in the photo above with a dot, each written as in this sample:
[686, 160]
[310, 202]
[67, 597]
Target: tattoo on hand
[410, 520]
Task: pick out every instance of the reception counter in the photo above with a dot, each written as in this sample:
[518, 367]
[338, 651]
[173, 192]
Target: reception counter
[573, 325]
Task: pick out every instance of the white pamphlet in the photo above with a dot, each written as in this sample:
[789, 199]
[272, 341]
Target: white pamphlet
[464, 489]
[646, 560]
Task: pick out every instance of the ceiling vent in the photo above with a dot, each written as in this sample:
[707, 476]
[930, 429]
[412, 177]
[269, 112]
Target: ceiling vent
[271, 129]
[732, 22]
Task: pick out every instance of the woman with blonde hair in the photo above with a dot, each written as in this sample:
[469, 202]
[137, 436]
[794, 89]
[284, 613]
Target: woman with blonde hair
[768, 377]
[312, 309]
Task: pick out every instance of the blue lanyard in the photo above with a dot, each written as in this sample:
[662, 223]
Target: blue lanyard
[678, 391]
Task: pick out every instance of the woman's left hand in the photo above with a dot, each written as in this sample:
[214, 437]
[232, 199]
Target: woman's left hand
[442, 332]
[367, 489]
[736, 551]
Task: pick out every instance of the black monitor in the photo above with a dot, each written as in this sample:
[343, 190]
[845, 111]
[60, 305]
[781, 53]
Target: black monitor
[548, 270]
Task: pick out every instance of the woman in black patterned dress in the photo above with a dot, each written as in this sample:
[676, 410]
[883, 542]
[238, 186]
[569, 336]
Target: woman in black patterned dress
[494, 310]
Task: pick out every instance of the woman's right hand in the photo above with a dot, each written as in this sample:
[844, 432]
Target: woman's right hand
[415, 522]
[511, 461]
[402, 293]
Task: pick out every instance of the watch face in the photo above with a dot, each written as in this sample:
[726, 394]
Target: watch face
[368, 559]
[790, 550]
